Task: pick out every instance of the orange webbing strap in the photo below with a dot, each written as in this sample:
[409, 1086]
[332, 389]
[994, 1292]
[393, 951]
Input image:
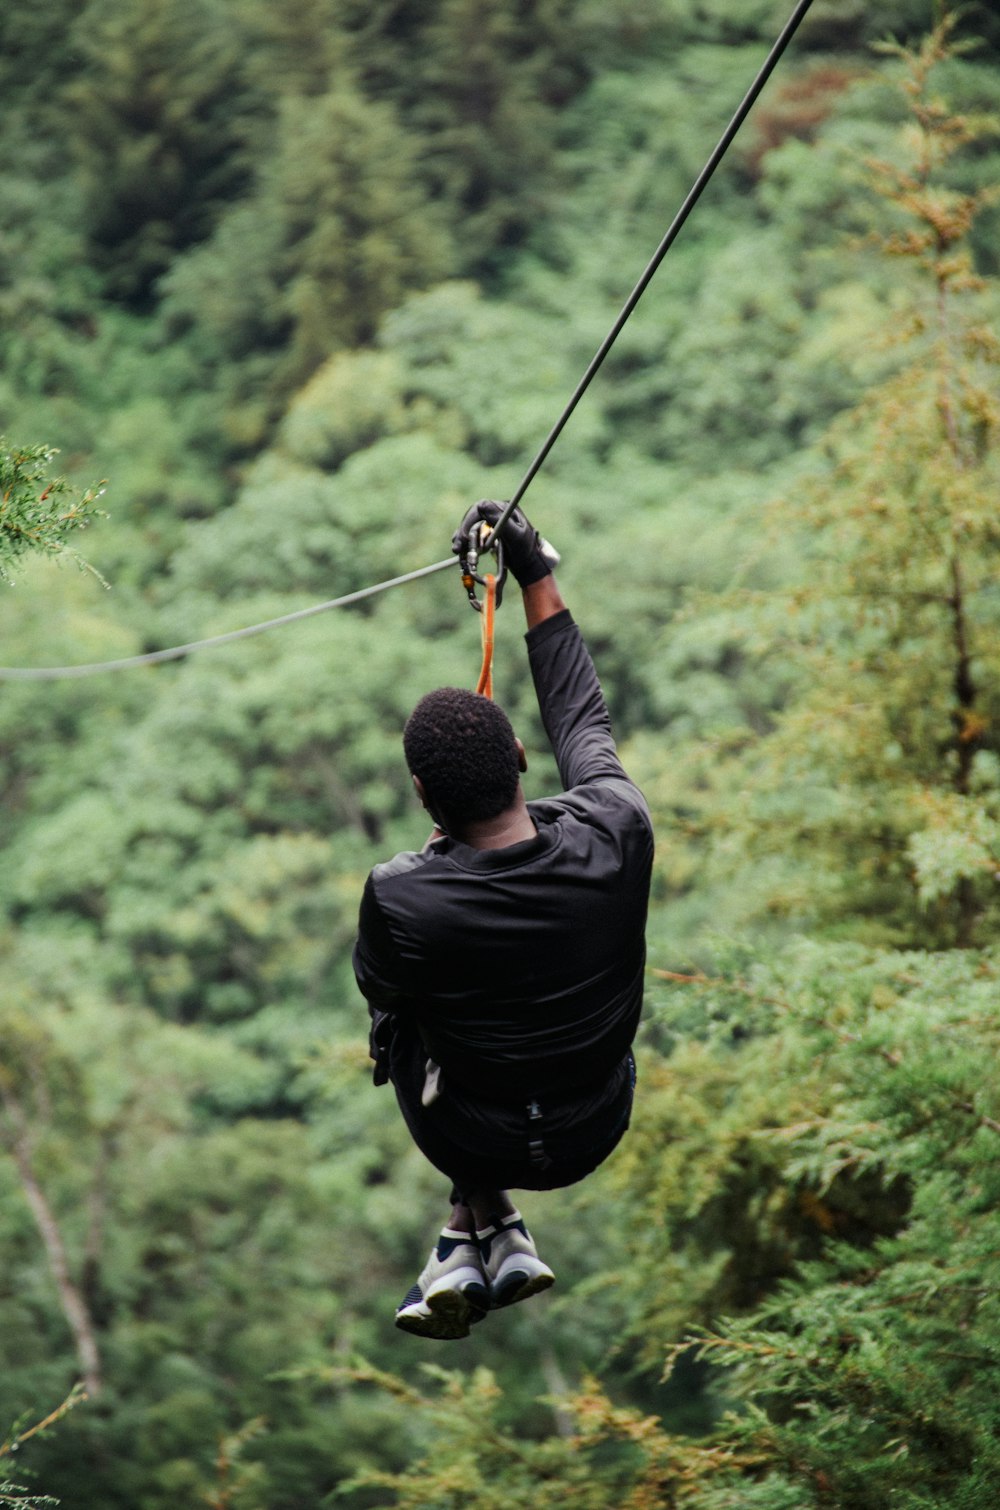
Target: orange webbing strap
[485, 684]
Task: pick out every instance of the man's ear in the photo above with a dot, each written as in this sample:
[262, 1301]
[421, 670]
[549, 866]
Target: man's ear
[522, 758]
[421, 792]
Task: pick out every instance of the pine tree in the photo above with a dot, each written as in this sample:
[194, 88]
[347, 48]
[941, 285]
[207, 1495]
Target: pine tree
[884, 774]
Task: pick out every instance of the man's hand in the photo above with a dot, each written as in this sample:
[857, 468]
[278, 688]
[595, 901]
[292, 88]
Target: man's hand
[528, 556]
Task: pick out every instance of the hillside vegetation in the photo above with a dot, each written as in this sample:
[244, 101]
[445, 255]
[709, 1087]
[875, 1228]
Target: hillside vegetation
[303, 281]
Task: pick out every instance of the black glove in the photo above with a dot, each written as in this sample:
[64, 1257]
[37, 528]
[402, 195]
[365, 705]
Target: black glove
[528, 556]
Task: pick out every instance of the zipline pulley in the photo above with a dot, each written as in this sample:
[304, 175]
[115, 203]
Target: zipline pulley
[482, 538]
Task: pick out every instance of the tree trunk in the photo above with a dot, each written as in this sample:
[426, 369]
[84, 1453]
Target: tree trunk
[70, 1298]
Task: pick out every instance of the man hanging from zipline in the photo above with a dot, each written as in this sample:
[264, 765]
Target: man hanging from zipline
[503, 964]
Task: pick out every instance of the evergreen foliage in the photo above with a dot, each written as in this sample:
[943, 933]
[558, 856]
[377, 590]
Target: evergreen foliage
[38, 512]
[304, 280]
[887, 759]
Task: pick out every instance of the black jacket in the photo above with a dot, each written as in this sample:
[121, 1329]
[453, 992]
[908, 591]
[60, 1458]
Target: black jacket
[522, 967]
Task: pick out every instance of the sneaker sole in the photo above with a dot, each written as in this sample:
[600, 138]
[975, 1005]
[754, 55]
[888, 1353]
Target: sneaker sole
[519, 1282]
[446, 1314]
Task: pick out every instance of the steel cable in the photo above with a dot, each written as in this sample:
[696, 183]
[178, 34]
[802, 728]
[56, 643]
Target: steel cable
[154, 657]
[766, 69]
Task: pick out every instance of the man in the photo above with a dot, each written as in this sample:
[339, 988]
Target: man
[503, 964]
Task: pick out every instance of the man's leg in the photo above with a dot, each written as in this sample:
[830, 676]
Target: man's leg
[479, 1209]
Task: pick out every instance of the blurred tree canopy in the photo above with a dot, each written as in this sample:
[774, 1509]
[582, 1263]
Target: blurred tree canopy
[303, 281]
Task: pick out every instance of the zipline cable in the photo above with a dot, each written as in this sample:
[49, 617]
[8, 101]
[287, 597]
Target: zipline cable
[767, 68]
[154, 657]
[52, 673]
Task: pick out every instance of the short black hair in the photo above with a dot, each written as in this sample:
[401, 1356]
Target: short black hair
[462, 747]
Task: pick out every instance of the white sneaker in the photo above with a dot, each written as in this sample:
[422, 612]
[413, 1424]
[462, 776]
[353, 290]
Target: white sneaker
[452, 1292]
[510, 1261]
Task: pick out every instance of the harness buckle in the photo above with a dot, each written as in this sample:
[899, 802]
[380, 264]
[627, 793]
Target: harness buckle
[536, 1146]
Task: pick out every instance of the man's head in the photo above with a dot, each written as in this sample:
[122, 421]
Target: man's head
[462, 750]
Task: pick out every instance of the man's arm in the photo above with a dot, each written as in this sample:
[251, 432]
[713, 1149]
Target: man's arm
[542, 600]
[569, 695]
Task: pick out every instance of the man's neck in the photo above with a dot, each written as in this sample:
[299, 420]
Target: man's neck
[512, 826]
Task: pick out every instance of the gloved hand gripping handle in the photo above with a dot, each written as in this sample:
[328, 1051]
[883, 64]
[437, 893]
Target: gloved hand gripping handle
[518, 545]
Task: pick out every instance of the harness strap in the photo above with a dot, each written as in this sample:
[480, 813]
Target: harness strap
[485, 683]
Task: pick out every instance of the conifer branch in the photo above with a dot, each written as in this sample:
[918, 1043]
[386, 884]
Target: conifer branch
[38, 512]
[76, 1396]
[892, 1057]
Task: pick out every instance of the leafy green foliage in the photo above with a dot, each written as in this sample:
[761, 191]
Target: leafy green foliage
[868, 1362]
[161, 110]
[336, 234]
[603, 1455]
[38, 512]
[882, 764]
[314, 277]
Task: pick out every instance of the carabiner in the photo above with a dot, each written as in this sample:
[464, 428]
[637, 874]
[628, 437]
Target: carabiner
[480, 542]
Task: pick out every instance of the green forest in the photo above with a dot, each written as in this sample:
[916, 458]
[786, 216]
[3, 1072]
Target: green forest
[283, 290]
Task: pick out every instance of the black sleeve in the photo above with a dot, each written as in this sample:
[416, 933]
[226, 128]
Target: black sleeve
[376, 965]
[378, 968]
[571, 703]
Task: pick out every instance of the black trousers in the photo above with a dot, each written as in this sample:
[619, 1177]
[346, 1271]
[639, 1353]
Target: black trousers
[543, 1142]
